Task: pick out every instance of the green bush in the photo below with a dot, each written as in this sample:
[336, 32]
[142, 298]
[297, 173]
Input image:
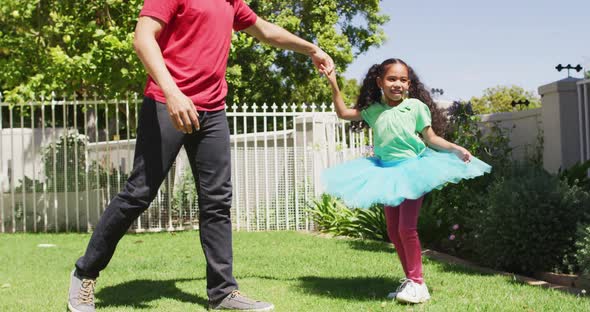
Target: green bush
[455, 205]
[332, 216]
[528, 222]
[583, 249]
[185, 193]
[446, 216]
[577, 174]
[372, 223]
[64, 161]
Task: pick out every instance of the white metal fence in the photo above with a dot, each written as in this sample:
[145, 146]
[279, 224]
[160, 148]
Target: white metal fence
[63, 158]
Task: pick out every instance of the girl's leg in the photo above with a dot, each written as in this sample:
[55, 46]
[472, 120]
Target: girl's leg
[392, 221]
[408, 232]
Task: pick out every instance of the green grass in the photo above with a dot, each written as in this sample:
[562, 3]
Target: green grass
[296, 271]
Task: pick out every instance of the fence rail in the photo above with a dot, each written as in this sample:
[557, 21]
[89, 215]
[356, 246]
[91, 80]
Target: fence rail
[63, 158]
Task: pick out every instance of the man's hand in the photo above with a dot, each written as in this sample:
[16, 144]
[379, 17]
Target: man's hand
[181, 109]
[322, 61]
[182, 112]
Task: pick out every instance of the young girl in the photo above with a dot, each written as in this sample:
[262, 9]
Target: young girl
[396, 105]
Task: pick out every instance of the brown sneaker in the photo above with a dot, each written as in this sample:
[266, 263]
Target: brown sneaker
[239, 302]
[81, 295]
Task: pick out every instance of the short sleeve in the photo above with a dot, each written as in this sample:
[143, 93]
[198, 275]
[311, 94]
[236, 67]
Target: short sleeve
[367, 116]
[162, 10]
[244, 17]
[423, 118]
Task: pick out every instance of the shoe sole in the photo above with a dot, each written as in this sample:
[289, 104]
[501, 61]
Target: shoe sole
[410, 301]
[72, 309]
[271, 308]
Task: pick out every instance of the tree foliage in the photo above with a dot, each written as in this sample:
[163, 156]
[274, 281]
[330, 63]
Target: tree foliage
[86, 47]
[500, 98]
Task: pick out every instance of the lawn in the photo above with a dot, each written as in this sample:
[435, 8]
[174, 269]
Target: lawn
[296, 271]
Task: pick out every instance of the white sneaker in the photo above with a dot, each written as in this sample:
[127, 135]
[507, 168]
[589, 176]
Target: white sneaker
[404, 282]
[413, 293]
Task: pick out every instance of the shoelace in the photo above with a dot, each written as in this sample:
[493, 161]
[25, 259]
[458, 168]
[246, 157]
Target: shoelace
[235, 293]
[404, 282]
[86, 295]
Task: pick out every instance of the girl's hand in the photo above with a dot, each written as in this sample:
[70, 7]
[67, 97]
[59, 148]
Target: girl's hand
[330, 75]
[462, 153]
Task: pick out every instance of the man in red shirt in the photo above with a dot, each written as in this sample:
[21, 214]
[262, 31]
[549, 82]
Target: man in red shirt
[184, 46]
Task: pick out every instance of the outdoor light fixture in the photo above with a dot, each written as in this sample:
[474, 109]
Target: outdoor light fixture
[560, 67]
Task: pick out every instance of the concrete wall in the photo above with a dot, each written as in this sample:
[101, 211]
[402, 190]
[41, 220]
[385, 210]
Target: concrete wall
[561, 124]
[523, 128]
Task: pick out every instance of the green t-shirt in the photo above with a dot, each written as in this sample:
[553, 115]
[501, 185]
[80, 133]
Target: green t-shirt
[395, 129]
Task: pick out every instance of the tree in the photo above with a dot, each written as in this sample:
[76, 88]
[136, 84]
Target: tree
[68, 46]
[500, 98]
[262, 73]
[73, 46]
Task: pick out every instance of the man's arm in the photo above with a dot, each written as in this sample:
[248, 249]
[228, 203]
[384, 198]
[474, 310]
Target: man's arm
[279, 37]
[181, 108]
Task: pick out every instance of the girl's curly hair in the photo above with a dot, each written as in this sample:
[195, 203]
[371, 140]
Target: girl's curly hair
[370, 93]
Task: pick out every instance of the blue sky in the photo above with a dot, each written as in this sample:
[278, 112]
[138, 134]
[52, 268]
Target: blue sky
[464, 47]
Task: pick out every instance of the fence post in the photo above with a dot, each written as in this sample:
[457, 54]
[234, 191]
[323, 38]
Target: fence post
[560, 124]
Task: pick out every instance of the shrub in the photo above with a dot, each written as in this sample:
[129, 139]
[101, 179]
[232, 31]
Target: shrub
[528, 221]
[68, 154]
[577, 174]
[332, 216]
[456, 204]
[583, 249]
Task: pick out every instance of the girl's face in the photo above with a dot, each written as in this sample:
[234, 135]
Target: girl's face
[395, 83]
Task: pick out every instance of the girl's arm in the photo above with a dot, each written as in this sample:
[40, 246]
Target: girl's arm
[439, 143]
[342, 111]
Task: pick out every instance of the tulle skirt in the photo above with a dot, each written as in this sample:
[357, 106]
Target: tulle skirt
[363, 182]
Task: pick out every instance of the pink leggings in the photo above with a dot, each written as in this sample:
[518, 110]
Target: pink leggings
[402, 224]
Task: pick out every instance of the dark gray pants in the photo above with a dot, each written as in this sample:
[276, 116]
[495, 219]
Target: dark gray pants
[158, 144]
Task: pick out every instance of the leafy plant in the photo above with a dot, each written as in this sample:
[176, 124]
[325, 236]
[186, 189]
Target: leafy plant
[332, 216]
[583, 248]
[185, 192]
[65, 160]
[527, 221]
[455, 204]
[501, 98]
[577, 175]
[372, 223]
[87, 46]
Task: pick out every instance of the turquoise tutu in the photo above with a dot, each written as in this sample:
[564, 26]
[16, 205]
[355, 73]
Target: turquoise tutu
[363, 182]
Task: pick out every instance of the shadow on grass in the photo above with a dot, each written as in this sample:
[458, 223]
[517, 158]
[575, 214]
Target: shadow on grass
[137, 294]
[360, 288]
[371, 245]
[511, 278]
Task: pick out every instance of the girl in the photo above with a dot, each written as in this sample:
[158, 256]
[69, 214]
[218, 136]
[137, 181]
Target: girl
[397, 106]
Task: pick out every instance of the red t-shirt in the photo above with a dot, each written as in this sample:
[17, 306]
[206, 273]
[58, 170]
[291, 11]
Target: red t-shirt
[195, 44]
